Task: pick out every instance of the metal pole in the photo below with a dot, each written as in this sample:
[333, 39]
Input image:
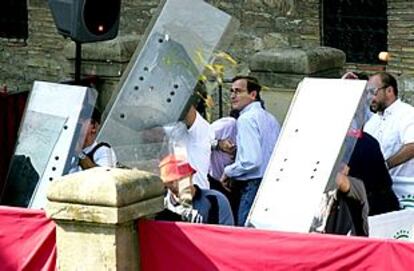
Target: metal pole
[78, 60]
[220, 98]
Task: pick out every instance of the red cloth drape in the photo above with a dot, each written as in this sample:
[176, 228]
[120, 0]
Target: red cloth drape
[11, 110]
[27, 240]
[181, 246]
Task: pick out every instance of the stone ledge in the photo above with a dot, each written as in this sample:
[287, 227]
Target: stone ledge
[108, 187]
[289, 82]
[117, 50]
[103, 215]
[297, 60]
[102, 69]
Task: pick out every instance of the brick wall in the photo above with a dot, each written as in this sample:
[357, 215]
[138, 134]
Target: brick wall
[264, 24]
[401, 36]
[38, 58]
[272, 23]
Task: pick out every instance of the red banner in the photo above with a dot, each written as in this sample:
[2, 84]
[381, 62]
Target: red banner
[181, 246]
[27, 240]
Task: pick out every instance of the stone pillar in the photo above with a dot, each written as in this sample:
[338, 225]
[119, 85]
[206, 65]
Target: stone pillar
[96, 211]
[280, 70]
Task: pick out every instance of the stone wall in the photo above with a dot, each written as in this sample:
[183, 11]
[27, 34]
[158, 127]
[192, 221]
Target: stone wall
[39, 58]
[264, 24]
[267, 24]
[401, 36]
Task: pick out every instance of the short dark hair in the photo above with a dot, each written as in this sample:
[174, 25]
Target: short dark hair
[362, 75]
[388, 80]
[252, 84]
[200, 97]
[96, 115]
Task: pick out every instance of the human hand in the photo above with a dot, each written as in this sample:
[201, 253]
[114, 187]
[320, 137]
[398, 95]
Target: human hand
[225, 182]
[225, 145]
[187, 213]
[342, 180]
[349, 75]
[192, 215]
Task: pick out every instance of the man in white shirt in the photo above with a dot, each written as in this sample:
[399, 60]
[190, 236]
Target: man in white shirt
[93, 153]
[197, 143]
[393, 127]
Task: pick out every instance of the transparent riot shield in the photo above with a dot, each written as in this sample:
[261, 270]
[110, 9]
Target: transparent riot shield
[158, 85]
[51, 133]
[313, 146]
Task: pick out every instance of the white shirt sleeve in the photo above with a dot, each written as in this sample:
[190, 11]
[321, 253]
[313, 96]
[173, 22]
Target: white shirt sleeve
[199, 150]
[105, 157]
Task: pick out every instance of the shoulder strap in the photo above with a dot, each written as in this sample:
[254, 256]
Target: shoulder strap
[92, 152]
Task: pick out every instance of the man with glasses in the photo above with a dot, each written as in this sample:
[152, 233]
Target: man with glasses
[393, 127]
[257, 132]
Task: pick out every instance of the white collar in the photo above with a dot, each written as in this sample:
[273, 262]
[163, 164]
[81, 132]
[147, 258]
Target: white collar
[392, 107]
[90, 147]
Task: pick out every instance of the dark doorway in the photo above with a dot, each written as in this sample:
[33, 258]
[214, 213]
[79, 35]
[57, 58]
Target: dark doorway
[358, 27]
[13, 19]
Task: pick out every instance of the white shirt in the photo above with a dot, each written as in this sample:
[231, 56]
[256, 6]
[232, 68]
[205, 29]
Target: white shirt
[103, 156]
[199, 150]
[393, 129]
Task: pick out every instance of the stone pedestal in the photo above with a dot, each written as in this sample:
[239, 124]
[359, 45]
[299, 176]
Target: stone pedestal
[95, 212]
[280, 70]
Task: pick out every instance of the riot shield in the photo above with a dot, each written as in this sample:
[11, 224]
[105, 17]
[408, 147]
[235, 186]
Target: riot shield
[50, 135]
[158, 84]
[315, 142]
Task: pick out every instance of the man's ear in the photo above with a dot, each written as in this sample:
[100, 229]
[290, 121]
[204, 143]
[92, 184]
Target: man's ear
[253, 94]
[389, 90]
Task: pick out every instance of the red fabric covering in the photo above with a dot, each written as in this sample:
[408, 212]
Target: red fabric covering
[180, 246]
[27, 240]
[11, 110]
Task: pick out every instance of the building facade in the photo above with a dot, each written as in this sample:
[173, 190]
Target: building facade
[31, 49]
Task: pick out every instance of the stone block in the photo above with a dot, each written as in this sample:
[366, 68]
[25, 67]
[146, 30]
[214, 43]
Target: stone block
[91, 247]
[103, 69]
[289, 81]
[107, 187]
[119, 49]
[277, 102]
[297, 60]
[95, 212]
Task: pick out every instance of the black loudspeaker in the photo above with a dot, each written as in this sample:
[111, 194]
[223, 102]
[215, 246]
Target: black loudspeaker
[86, 20]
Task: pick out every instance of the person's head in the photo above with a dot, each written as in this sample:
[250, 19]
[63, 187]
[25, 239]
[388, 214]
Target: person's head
[383, 87]
[176, 174]
[93, 127]
[244, 90]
